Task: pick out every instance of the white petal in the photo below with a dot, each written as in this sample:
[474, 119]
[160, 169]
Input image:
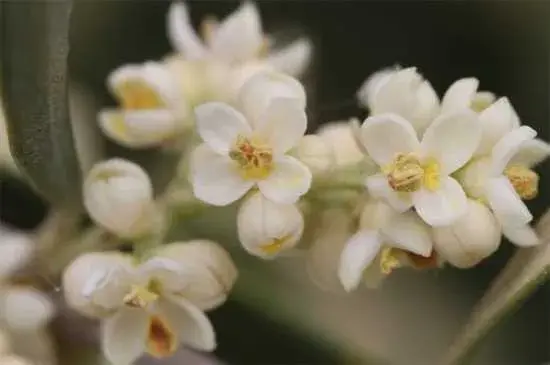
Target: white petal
[496, 121]
[427, 107]
[459, 95]
[407, 232]
[181, 33]
[219, 125]
[508, 207]
[257, 92]
[292, 59]
[397, 94]
[239, 37]
[284, 124]
[452, 139]
[379, 187]
[508, 147]
[289, 180]
[26, 309]
[359, 252]
[123, 336]
[443, 206]
[531, 153]
[215, 178]
[15, 250]
[522, 236]
[371, 85]
[190, 323]
[386, 135]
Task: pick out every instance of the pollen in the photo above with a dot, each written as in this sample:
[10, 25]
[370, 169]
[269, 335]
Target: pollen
[161, 340]
[388, 261]
[275, 245]
[140, 297]
[524, 180]
[254, 158]
[405, 173]
[137, 95]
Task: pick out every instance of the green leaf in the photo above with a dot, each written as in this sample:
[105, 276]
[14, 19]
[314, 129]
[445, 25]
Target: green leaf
[525, 272]
[35, 48]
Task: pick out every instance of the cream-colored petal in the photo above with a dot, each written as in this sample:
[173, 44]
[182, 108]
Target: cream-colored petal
[123, 336]
[181, 34]
[359, 252]
[379, 187]
[386, 135]
[373, 83]
[397, 94]
[192, 326]
[15, 250]
[442, 206]
[408, 232]
[508, 147]
[215, 178]
[283, 124]
[239, 37]
[531, 153]
[496, 121]
[459, 95]
[219, 125]
[289, 180]
[427, 107]
[508, 207]
[452, 139]
[25, 309]
[292, 59]
[521, 236]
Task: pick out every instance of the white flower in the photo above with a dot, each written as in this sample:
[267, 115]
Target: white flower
[402, 92]
[16, 249]
[504, 178]
[119, 196]
[463, 94]
[371, 253]
[473, 237]
[239, 39]
[315, 152]
[152, 108]
[266, 228]
[418, 173]
[241, 151]
[154, 306]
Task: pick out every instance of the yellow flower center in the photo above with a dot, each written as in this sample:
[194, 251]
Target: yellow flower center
[254, 158]
[524, 180]
[137, 95]
[161, 340]
[388, 261]
[407, 173]
[275, 245]
[142, 296]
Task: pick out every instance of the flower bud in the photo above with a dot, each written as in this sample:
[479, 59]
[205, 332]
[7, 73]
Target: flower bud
[472, 238]
[16, 249]
[266, 228]
[25, 309]
[315, 152]
[118, 195]
[339, 136]
[213, 272]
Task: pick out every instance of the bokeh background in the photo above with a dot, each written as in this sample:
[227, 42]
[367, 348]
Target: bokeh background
[276, 315]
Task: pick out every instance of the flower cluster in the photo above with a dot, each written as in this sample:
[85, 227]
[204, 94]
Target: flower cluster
[421, 182]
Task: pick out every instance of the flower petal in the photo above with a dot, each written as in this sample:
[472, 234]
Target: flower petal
[497, 120]
[181, 34]
[239, 37]
[508, 147]
[25, 309]
[379, 187]
[369, 88]
[452, 139]
[522, 236]
[359, 252]
[219, 125]
[407, 232]
[123, 336]
[215, 178]
[443, 206]
[397, 93]
[285, 123]
[508, 207]
[293, 58]
[459, 95]
[190, 323]
[289, 180]
[16, 250]
[531, 153]
[386, 135]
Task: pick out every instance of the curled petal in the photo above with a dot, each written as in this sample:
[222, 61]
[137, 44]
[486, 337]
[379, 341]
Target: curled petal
[508, 207]
[292, 59]
[181, 33]
[123, 336]
[358, 254]
[459, 95]
[508, 147]
[289, 180]
[531, 153]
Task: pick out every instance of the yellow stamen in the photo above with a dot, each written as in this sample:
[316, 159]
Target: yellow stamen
[140, 297]
[275, 245]
[405, 173]
[524, 180]
[388, 261]
[135, 95]
[161, 341]
[254, 158]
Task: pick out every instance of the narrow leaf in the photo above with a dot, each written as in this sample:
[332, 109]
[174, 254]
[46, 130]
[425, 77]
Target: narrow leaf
[524, 273]
[35, 48]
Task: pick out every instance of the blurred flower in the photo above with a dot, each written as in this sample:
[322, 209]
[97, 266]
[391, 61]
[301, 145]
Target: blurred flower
[504, 178]
[16, 249]
[403, 92]
[418, 173]
[340, 137]
[25, 309]
[243, 151]
[152, 108]
[313, 151]
[463, 94]
[372, 252]
[266, 228]
[153, 306]
[14, 360]
[119, 196]
[473, 237]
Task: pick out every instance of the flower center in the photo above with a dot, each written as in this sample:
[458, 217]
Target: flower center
[254, 158]
[137, 95]
[407, 174]
[524, 180]
[142, 296]
[275, 245]
[388, 261]
[161, 340]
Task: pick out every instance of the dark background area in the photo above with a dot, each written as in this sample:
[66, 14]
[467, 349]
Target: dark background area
[504, 44]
